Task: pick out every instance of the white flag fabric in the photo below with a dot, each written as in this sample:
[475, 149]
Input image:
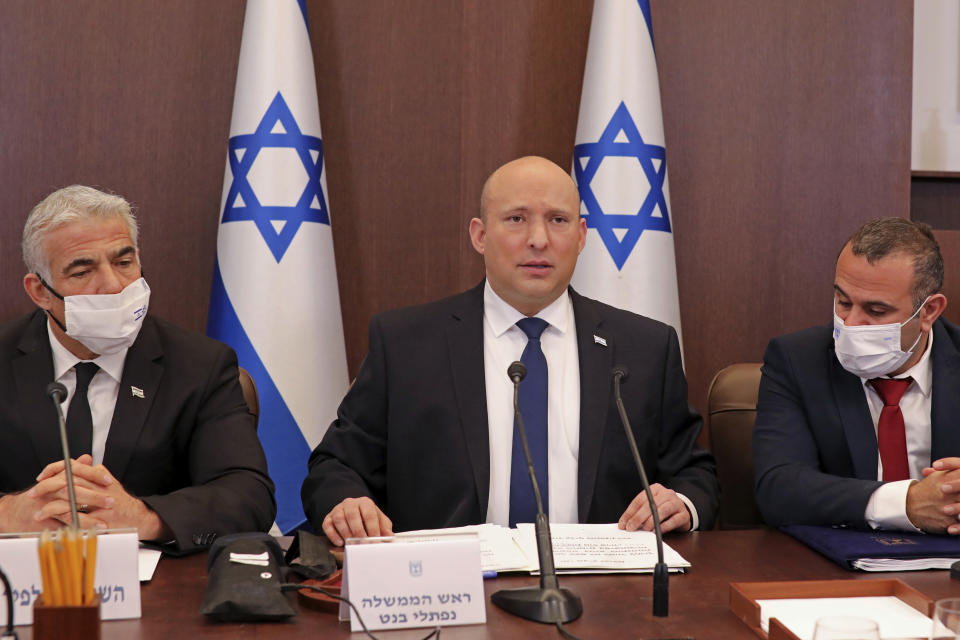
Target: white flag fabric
[619, 164]
[274, 297]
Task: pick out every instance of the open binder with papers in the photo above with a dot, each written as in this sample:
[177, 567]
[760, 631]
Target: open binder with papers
[578, 548]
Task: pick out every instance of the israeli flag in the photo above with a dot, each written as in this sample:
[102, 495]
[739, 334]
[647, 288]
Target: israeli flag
[275, 297]
[619, 164]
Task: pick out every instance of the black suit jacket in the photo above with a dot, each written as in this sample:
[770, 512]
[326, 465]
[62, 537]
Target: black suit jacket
[412, 431]
[188, 448]
[814, 443]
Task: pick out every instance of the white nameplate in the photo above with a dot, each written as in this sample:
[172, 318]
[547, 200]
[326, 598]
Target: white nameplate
[116, 578]
[398, 583]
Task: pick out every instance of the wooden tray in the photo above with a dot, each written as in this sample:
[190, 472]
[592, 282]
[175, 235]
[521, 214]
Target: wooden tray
[744, 596]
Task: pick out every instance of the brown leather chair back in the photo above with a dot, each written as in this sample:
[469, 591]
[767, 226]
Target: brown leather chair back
[731, 410]
[249, 393]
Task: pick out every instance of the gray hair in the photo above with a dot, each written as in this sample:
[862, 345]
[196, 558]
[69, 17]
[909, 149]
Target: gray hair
[63, 206]
[882, 237]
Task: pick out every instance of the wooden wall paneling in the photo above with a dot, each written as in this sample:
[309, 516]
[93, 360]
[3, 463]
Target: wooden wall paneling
[523, 68]
[787, 126]
[389, 84]
[935, 199]
[134, 98]
[949, 241]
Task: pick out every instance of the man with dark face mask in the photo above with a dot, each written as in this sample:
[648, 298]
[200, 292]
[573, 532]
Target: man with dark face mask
[150, 408]
[856, 426]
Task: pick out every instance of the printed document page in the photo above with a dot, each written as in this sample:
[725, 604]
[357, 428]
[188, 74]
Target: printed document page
[498, 550]
[577, 548]
[599, 548]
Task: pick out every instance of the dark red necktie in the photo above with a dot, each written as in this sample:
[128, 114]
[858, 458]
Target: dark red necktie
[891, 433]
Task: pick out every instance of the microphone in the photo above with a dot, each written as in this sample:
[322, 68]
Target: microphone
[58, 393]
[547, 603]
[661, 574]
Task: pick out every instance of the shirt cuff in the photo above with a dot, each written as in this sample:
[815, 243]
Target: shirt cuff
[694, 518]
[887, 507]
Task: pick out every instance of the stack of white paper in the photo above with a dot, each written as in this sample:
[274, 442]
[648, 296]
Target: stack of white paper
[577, 548]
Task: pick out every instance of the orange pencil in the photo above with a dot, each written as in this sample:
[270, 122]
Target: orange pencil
[68, 563]
[89, 567]
[44, 564]
[74, 558]
[63, 568]
[63, 564]
[56, 598]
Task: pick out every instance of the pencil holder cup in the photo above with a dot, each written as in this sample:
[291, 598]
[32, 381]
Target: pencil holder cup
[80, 622]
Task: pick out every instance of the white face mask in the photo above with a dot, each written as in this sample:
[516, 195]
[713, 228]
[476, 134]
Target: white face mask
[106, 323]
[871, 350]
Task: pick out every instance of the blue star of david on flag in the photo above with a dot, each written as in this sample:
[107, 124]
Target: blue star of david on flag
[621, 138]
[277, 129]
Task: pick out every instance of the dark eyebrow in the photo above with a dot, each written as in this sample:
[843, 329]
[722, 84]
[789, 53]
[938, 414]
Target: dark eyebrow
[79, 262]
[88, 262]
[868, 303]
[125, 251]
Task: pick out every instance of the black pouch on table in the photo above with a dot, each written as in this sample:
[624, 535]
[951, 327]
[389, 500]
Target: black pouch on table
[309, 556]
[244, 573]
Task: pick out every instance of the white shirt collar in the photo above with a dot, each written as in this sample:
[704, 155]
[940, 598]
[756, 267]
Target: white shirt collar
[502, 316]
[63, 360]
[922, 372]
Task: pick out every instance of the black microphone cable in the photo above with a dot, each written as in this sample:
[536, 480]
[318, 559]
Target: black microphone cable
[566, 634]
[293, 586]
[9, 632]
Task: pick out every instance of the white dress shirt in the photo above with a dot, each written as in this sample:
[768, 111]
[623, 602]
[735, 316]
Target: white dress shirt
[504, 342]
[887, 507]
[101, 394]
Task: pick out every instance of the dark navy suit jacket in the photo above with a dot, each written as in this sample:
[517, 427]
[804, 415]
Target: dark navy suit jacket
[814, 443]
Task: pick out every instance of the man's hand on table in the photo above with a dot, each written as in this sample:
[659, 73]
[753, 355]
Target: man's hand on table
[933, 504]
[673, 513]
[356, 518]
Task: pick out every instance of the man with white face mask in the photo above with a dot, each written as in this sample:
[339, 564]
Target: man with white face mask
[857, 425]
[159, 433]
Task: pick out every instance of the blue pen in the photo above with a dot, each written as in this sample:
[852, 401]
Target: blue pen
[489, 574]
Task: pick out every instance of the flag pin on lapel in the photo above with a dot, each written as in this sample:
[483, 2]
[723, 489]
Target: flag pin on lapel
[597, 339]
[136, 392]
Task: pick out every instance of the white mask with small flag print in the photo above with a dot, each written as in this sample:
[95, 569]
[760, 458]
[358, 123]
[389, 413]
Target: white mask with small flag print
[107, 323]
[872, 350]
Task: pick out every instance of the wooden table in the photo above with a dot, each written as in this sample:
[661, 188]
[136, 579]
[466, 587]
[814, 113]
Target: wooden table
[614, 606]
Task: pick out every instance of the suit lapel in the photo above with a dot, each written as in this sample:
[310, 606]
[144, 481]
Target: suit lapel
[141, 371]
[945, 407]
[465, 346]
[855, 417]
[595, 349]
[33, 370]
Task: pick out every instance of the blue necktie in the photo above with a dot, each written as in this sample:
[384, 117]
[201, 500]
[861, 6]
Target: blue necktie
[532, 397]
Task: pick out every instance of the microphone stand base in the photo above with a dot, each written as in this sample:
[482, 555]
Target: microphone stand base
[548, 606]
